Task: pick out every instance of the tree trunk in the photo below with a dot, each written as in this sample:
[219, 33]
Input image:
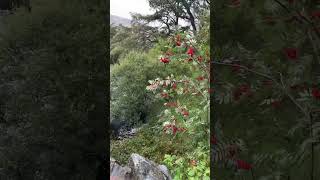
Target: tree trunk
[191, 17]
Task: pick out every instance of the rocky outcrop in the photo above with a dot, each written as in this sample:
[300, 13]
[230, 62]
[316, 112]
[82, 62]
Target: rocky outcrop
[139, 168]
[117, 171]
[127, 134]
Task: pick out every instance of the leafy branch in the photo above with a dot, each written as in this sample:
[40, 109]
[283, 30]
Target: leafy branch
[282, 86]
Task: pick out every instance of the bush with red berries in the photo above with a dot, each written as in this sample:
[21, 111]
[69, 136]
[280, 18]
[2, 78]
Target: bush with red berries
[186, 101]
[267, 89]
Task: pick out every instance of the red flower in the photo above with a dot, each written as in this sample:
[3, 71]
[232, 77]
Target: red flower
[178, 43]
[200, 58]
[200, 78]
[164, 60]
[315, 14]
[174, 86]
[190, 51]
[316, 93]
[291, 53]
[243, 165]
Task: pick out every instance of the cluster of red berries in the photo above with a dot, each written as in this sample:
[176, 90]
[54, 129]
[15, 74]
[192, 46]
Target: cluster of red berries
[315, 93]
[174, 128]
[291, 53]
[171, 104]
[242, 90]
[240, 164]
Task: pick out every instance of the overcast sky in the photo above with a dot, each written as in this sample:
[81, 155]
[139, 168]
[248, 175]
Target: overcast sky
[124, 7]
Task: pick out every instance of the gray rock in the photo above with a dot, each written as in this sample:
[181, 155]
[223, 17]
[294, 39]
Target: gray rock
[119, 172]
[165, 171]
[143, 169]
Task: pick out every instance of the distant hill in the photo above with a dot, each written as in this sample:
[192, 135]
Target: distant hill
[117, 20]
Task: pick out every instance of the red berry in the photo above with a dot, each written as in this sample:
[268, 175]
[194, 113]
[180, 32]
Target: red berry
[190, 51]
[200, 78]
[213, 139]
[275, 103]
[171, 104]
[315, 93]
[243, 165]
[315, 14]
[291, 53]
[164, 60]
[185, 113]
[174, 86]
[164, 95]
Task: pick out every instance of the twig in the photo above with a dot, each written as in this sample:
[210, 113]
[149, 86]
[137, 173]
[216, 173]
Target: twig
[245, 68]
[314, 47]
[291, 98]
[312, 148]
[302, 17]
[268, 77]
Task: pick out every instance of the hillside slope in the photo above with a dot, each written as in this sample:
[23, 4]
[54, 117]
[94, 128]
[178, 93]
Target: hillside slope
[117, 20]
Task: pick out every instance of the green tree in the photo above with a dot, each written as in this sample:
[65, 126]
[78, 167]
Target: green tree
[169, 12]
[138, 37]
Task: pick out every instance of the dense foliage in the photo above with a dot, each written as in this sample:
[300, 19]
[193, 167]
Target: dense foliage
[51, 67]
[266, 90]
[166, 87]
[176, 102]
[126, 39]
[186, 117]
[170, 13]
